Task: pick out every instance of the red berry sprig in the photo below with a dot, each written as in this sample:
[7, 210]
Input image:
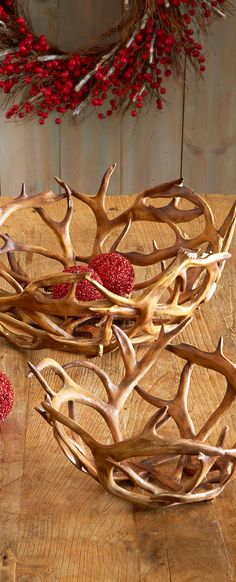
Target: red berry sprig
[6, 396]
[135, 70]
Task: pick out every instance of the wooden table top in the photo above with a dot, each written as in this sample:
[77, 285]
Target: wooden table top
[58, 524]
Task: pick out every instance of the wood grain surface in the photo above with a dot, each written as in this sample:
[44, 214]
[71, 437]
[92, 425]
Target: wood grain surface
[57, 524]
[193, 135]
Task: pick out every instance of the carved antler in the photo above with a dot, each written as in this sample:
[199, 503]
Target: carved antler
[157, 469]
[31, 318]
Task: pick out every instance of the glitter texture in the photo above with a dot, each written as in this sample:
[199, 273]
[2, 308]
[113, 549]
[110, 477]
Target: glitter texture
[84, 290]
[6, 396]
[116, 272]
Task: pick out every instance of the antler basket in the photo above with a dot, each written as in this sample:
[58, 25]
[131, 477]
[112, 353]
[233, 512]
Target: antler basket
[185, 273]
[148, 468]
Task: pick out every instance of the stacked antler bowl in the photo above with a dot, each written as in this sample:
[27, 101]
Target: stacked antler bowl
[183, 275]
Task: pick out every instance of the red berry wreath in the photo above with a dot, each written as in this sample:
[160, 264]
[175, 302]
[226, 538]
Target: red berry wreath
[152, 42]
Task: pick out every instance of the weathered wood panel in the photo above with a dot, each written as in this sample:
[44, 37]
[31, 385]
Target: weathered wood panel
[151, 144]
[87, 151]
[209, 136]
[28, 153]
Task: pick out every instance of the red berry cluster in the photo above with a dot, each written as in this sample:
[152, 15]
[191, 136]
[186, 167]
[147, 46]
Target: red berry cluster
[129, 74]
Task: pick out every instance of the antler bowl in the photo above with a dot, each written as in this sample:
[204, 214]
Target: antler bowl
[148, 466]
[182, 275]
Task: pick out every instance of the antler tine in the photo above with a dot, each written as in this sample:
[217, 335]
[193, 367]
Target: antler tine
[185, 381]
[212, 360]
[67, 218]
[158, 345]
[16, 269]
[136, 370]
[68, 196]
[12, 245]
[175, 296]
[97, 205]
[71, 424]
[216, 416]
[127, 351]
[176, 189]
[97, 201]
[177, 407]
[223, 230]
[105, 183]
[23, 193]
[11, 280]
[48, 363]
[122, 235]
[219, 347]
[9, 244]
[105, 379]
[79, 195]
[228, 236]
[162, 189]
[34, 370]
[156, 422]
[62, 228]
[44, 414]
[22, 202]
[223, 436]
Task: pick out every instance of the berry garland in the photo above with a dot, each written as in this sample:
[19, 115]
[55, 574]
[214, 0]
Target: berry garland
[154, 39]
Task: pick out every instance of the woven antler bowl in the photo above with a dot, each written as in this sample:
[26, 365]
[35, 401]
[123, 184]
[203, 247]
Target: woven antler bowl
[176, 269]
[136, 456]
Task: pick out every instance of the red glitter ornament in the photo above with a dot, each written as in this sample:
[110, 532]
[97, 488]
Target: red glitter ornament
[116, 272]
[85, 291]
[6, 396]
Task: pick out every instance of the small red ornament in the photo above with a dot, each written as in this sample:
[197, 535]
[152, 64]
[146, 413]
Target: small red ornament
[85, 291]
[6, 396]
[116, 272]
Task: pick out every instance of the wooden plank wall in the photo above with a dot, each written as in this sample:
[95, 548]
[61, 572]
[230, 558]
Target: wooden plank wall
[195, 134]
